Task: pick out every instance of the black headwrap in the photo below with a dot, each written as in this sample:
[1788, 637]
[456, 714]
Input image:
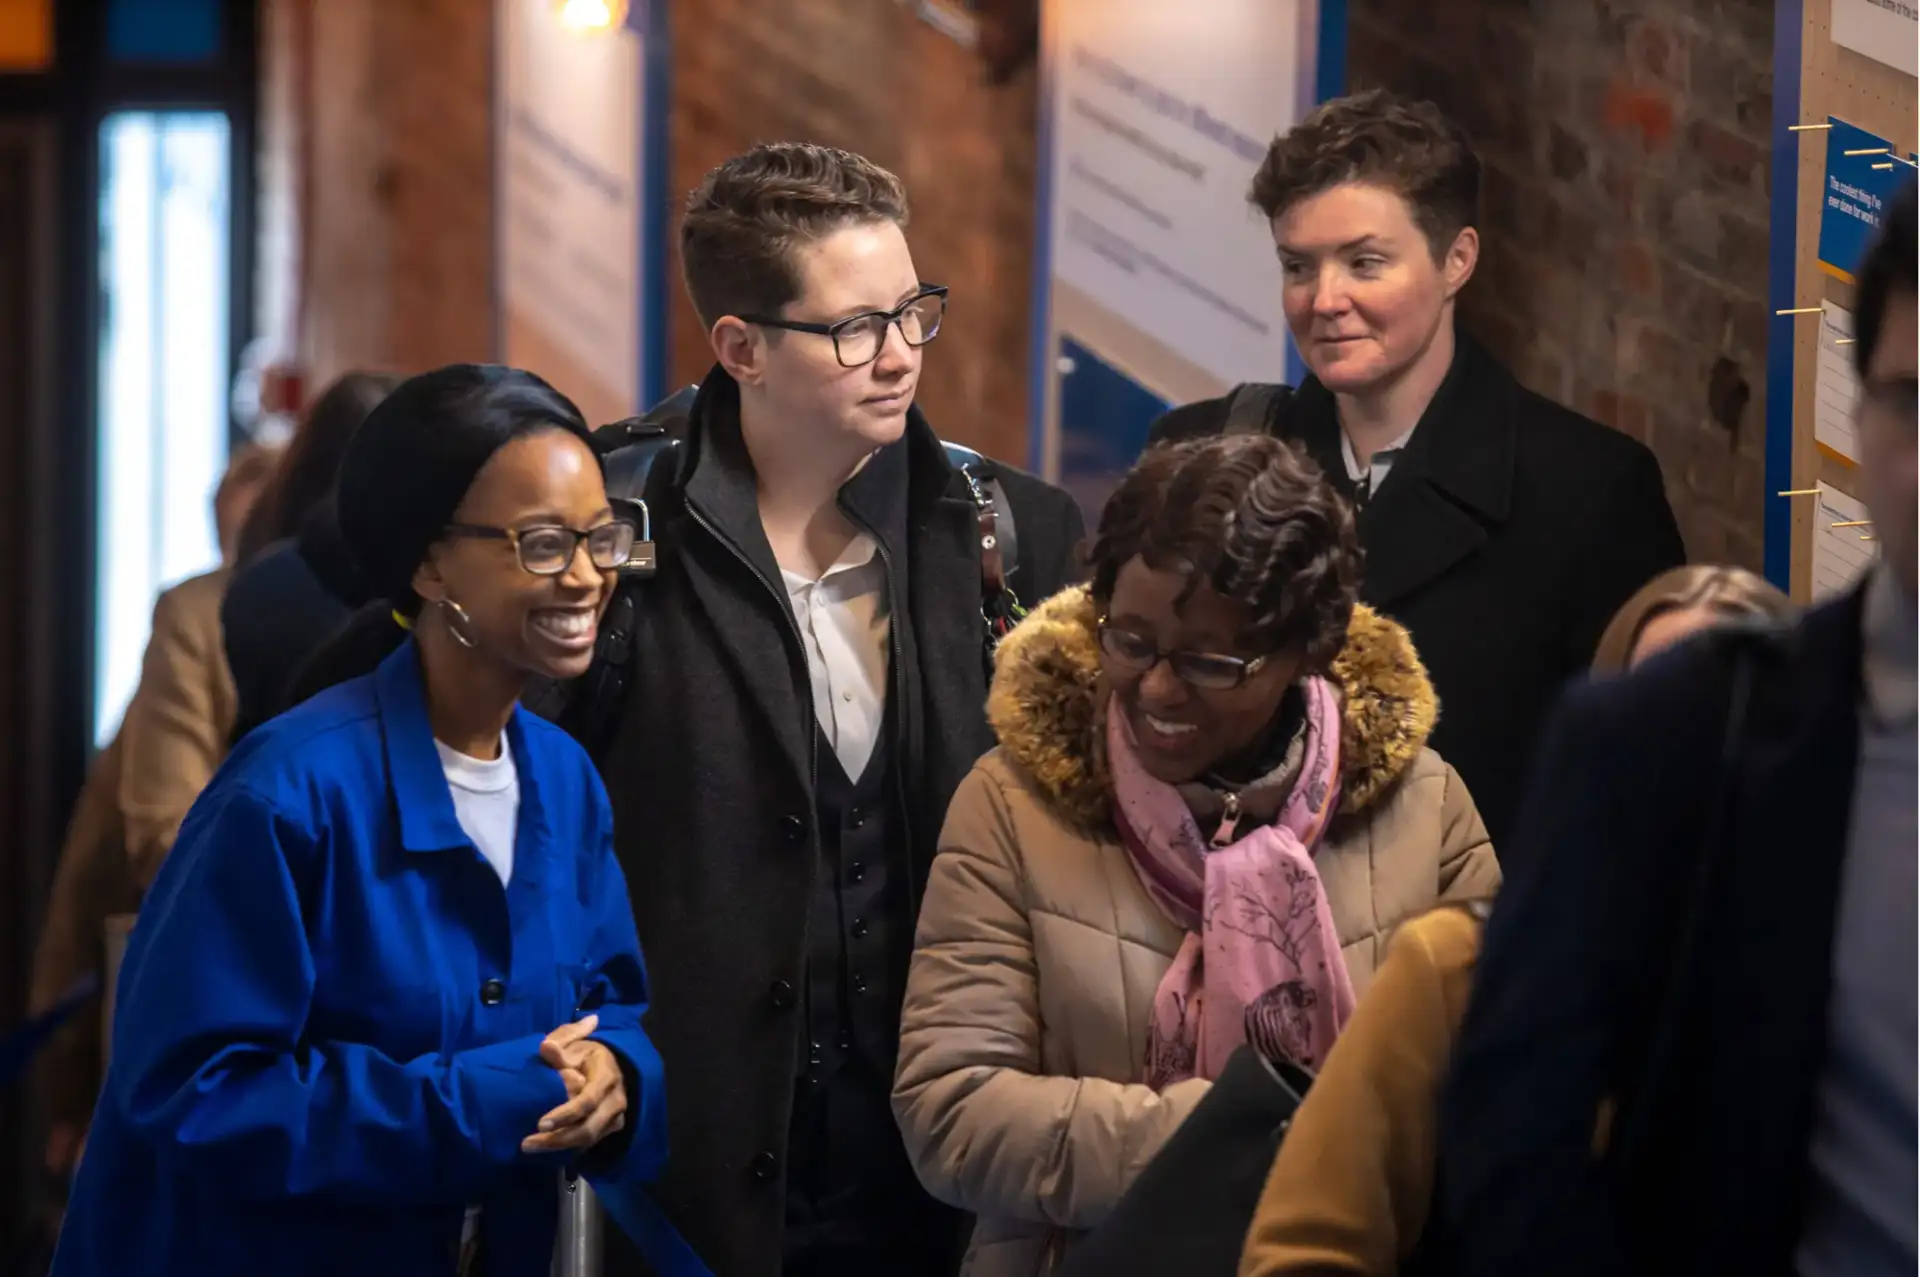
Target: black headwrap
[410, 465]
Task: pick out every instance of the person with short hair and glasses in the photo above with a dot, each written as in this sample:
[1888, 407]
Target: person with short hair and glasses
[1211, 803]
[806, 698]
[1501, 528]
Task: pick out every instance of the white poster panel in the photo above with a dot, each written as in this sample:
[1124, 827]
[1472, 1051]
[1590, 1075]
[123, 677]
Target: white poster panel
[569, 182]
[1160, 116]
[1885, 30]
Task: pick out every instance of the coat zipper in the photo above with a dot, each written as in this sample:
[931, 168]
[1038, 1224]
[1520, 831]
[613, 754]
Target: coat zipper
[799, 644]
[1051, 1256]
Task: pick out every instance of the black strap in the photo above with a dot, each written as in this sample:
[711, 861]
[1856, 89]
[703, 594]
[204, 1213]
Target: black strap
[1252, 407]
[1638, 1113]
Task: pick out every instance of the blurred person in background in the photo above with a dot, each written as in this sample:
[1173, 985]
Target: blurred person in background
[1211, 802]
[386, 986]
[296, 583]
[1352, 1189]
[1501, 528]
[1680, 603]
[1713, 923]
[177, 724]
[180, 719]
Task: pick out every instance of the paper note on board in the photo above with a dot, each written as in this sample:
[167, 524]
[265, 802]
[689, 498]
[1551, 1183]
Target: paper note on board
[1856, 195]
[1840, 555]
[1836, 388]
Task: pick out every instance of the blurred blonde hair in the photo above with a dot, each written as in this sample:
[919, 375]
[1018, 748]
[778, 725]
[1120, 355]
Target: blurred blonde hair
[1731, 592]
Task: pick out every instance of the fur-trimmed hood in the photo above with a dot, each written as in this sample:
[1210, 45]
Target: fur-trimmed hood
[1045, 707]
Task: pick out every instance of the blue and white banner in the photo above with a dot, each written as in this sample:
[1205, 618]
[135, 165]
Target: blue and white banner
[1157, 281]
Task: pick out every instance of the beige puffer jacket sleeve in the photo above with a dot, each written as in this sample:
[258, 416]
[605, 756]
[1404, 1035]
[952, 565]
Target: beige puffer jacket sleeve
[988, 1132]
[1468, 869]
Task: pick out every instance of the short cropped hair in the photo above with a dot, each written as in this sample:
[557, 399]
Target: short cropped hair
[745, 219]
[1250, 515]
[1407, 146]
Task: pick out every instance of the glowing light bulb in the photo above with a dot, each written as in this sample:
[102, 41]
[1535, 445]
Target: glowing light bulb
[592, 15]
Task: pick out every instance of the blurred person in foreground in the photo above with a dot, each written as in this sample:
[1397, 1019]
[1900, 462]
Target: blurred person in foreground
[1352, 1189]
[1713, 925]
[1211, 802]
[1501, 528]
[386, 986]
[296, 582]
[180, 720]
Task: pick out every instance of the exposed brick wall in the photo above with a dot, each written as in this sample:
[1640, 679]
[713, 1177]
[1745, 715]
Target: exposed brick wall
[1625, 231]
[402, 270]
[401, 203]
[869, 76]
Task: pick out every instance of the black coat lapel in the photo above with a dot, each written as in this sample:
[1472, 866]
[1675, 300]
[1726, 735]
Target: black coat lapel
[1447, 492]
[733, 575]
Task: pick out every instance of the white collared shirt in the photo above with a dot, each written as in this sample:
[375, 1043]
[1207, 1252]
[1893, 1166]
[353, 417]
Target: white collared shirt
[1375, 472]
[845, 625]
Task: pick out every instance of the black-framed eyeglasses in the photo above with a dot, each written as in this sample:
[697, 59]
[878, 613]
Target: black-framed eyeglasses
[857, 339]
[548, 550]
[1205, 671]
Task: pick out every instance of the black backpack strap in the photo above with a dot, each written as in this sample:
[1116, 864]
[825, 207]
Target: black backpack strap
[1000, 606]
[1254, 406]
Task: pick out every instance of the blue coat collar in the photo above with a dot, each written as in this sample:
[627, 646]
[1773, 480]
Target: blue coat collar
[422, 801]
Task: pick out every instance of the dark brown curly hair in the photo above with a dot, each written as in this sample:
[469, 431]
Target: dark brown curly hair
[1380, 138]
[1253, 517]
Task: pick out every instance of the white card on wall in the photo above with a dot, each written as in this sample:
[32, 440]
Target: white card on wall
[1836, 387]
[1884, 30]
[1840, 554]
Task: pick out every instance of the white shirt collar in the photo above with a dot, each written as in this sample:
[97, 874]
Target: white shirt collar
[860, 552]
[1384, 457]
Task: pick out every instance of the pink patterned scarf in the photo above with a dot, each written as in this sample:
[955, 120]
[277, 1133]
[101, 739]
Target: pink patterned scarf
[1261, 962]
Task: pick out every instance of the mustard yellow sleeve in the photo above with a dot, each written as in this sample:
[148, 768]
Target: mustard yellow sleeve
[1350, 1190]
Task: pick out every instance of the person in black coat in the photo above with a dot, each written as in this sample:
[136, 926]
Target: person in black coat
[808, 688]
[1502, 529]
[297, 583]
[1711, 934]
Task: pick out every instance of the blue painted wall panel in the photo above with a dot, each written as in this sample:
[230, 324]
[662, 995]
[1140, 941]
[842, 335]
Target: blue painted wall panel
[173, 32]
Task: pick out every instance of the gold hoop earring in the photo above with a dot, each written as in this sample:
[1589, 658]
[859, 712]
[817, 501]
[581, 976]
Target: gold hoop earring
[459, 624]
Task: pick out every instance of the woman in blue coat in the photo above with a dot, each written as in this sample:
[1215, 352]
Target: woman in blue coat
[386, 989]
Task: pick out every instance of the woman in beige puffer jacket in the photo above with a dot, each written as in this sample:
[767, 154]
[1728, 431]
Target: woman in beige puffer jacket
[1021, 1089]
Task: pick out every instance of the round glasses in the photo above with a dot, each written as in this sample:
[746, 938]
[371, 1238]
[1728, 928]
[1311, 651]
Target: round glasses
[549, 550]
[1204, 671]
[857, 339]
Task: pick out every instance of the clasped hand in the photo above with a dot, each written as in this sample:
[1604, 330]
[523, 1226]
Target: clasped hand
[596, 1104]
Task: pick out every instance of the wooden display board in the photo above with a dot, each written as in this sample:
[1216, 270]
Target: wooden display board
[1810, 356]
